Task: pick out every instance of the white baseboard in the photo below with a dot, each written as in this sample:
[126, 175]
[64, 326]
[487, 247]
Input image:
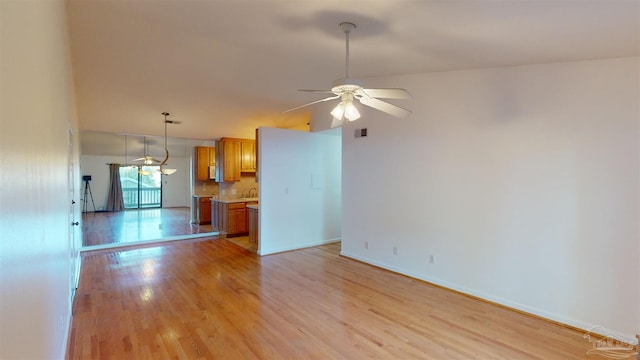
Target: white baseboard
[262, 252]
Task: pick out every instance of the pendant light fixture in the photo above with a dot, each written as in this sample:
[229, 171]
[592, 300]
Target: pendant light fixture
[163, 170]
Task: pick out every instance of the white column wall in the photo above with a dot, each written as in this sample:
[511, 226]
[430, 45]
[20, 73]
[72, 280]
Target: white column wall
[300, 189]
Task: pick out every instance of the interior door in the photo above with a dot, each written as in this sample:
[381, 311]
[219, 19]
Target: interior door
[74, 216]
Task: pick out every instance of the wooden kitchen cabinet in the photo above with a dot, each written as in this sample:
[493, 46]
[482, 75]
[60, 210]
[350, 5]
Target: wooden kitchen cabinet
[212, 156]
[204, 210]
[234, 156]
[247, 156]
[205, 157]
[228, 160]
[230, 219]
[237, 219]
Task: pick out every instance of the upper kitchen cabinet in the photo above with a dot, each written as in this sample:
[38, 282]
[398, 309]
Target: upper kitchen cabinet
[228, 160]
[234, 156]
[248, 156]
[205, 163]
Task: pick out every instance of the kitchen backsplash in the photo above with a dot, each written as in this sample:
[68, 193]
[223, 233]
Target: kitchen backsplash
[205, 188]
[241, 188]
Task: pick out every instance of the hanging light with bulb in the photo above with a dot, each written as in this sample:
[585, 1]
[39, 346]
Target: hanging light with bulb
[163, 170]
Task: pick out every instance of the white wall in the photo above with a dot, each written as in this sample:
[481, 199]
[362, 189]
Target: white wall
[175, 187]
[300, 189]
[37, 256]
[521, 182]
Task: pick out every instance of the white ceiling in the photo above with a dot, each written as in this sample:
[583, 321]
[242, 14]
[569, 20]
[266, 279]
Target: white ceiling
[225, 67]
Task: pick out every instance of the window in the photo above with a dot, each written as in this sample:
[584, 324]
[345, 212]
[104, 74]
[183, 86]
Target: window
[141, 191]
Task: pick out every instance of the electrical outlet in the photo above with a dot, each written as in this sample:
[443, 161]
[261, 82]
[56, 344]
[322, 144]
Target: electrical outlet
[159, 226]
[395, 250]
[366, 245]
[431, 259]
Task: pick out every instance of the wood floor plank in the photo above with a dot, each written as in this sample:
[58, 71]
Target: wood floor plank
[134, 225]
[211, 299]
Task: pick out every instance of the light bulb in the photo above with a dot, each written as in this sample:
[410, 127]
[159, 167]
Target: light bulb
[338, 111]
[350, 112]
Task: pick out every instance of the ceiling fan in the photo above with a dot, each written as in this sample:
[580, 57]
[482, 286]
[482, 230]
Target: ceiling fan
[146, 159]
[347, 89]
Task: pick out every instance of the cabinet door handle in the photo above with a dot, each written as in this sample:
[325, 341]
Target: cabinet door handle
[75, 223]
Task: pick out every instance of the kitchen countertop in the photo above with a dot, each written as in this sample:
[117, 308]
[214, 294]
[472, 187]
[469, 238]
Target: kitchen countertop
[255, 207]
[204, 196]
[237, 200]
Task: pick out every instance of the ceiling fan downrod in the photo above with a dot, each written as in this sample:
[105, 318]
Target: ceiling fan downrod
[347, 27]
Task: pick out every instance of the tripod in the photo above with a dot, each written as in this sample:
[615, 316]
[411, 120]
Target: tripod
[87, 190]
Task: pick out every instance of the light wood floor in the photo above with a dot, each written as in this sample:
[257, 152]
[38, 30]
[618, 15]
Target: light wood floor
[211, 299]
[100, 228]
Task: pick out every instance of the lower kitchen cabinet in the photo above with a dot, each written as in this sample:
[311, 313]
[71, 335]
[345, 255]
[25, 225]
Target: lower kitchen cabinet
[203, 210]
[230, 219]
[236, 218]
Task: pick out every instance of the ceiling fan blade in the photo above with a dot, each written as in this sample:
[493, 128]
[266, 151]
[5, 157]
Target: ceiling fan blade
[311, 103]
[385, 107]
[388, 93]
[147, 158]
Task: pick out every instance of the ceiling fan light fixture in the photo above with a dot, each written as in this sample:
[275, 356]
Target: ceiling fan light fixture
[338, 111]
[351, 112]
